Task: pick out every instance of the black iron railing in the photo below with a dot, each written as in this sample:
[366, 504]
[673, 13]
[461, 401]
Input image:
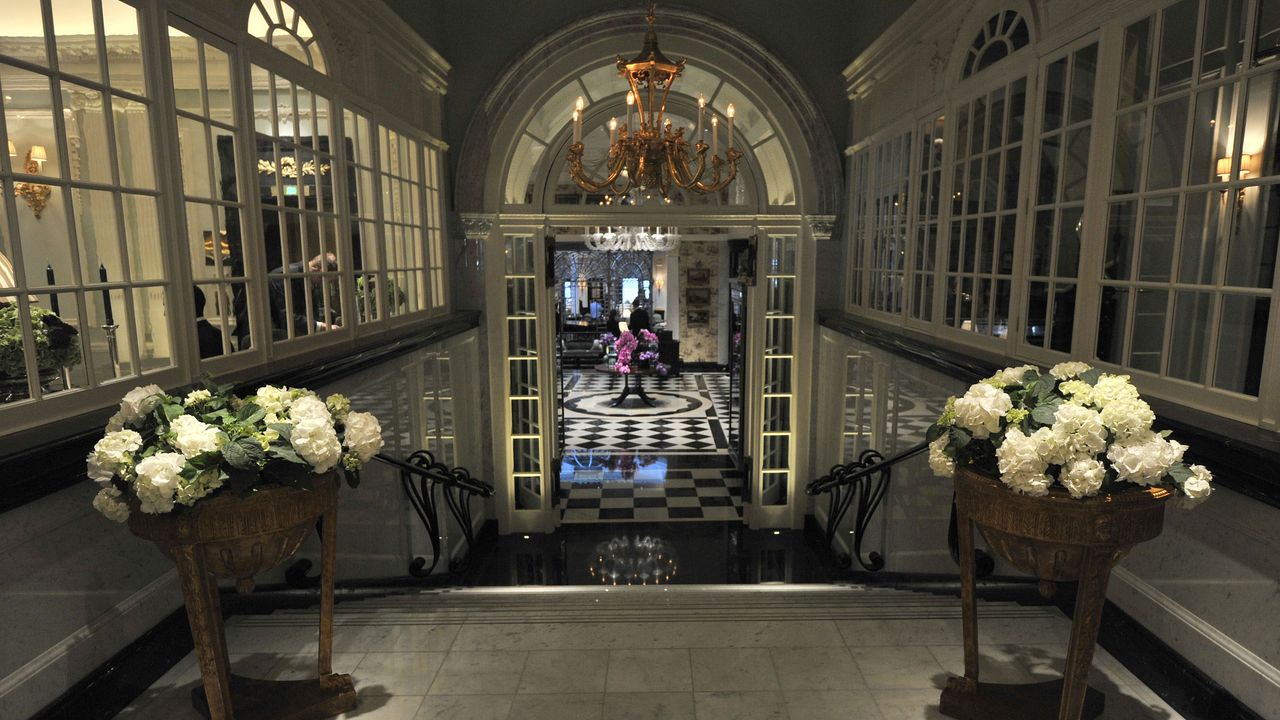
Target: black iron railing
[866, 480]
[425, 480]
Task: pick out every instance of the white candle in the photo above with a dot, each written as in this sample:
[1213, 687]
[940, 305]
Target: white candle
[577, 126]
[613, 130]
[730, 113]
[631, 104]
[715, 134]
[702, 104]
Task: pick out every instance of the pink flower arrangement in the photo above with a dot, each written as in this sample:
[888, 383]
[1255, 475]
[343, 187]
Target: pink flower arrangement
[648, 337]
[625, 346]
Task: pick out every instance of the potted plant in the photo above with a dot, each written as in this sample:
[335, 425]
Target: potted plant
[229, 487]
[1063, 474]
[56, 347]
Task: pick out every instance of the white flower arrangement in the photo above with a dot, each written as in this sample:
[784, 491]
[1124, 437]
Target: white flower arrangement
[166, 451]
[1076, 426]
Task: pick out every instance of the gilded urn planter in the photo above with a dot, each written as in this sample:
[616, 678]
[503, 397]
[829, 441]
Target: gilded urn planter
[1056, 538]
[238, 537]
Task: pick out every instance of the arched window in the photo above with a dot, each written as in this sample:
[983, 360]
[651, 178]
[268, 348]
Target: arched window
[1003, 34]
[276, 23]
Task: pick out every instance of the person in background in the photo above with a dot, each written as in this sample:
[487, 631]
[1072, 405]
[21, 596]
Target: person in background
[209, 336]
[280, 312]
[614, 323]
[639, 319]
[596, 309]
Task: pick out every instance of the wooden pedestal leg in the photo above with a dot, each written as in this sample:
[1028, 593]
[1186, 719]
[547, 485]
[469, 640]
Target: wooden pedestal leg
[328, 562]
[968, 600]
[204, 611]
[1091, 594]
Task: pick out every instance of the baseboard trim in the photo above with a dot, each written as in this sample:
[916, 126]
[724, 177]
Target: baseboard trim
[64, 651]
[1128, 591]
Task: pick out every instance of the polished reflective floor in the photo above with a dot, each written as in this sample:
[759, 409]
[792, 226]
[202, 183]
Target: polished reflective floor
[618, 486]
[657, 653]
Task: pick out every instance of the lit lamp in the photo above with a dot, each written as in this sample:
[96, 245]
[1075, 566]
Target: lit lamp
[1224, 167]
[34, 194]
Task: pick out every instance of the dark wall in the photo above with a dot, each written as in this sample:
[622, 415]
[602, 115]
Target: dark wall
[480, 38]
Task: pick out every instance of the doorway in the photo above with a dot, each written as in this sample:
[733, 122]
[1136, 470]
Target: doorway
[650, 433]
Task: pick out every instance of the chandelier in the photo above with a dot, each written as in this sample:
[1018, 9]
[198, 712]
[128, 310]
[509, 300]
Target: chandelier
[646, 152]
[627, 239]
[634, 561]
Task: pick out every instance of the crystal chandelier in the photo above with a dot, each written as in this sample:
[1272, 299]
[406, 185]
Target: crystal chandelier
[646, 152]
[627, 239]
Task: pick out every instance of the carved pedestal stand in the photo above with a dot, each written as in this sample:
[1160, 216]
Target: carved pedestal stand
[233, 537]
[1057, 538]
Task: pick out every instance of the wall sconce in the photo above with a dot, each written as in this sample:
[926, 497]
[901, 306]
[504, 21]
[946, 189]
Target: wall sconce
[35, 195]
[1224, 167]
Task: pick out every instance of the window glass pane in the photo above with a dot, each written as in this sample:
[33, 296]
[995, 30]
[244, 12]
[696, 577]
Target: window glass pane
[1135, 70]
[22, 34]
[1168, 143]
[29, 106]
[86, 139]
[1062, 320]
[1222, 44]
[1042, 243]
[1260, 141]
[1200, 236]
[1127, 159]
[1037, 308]
[1177, 45]
[217, 70]
[152, 329]
[133, 142]
[1055, 94]
[1211, 134]
[1113, 313]
[1159, 222]
[1083, 71]
[1267, 45]
[1050, 152]
[1075, 164]
[76, 37]
[1191, 312]
[1242, 336]
[124, 59]
[1148, 329]
[1069, 227]
[1121, 233]
[1251, 250]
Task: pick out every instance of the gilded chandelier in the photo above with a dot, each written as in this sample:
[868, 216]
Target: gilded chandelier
[646, 152]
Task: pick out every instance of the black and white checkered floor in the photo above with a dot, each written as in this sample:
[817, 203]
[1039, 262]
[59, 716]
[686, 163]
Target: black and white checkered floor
[600, 486]
[691, 416]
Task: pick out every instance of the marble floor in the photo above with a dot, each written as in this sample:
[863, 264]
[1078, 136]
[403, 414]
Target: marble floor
[692, 413]
[666, 653]
[629, 486]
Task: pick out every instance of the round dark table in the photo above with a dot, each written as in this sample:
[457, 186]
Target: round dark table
[628, 387]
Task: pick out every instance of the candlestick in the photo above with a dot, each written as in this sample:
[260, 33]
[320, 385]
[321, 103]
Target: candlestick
[702, 105]
[631, 103]
[730, 112]
[106, 296]
[715, 134]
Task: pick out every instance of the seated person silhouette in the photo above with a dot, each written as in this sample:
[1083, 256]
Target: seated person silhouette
[282, 314]
[209, 336]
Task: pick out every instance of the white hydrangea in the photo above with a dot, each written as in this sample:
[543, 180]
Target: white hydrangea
[1081, 429]
[195, 397]
[1068, 370]
[138, 402]
[1009, 376]
[112, 453]
[1111, 388]
[115, 422]
[273, 399]
[942, 464]
[1021, 466]
[1083, 476]
[315, 441]
[1127, 417]
[193, 437]
[108, 502]
[1078, 391]
[981, 409]
[363, 435]
[1199, 485]
[158, 478]
[1050, 446]
[309, 406]
[1144, 458]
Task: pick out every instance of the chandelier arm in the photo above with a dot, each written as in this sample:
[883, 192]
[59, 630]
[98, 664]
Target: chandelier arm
[718, 183]
[579, 175]
[678, 165]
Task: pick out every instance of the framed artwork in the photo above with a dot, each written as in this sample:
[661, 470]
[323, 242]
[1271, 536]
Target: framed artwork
[698, 318]
[698, 296]
[698, 277]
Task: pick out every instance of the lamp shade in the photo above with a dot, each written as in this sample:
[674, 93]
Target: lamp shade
[13, 150]
[38, 153]
[1224, 168]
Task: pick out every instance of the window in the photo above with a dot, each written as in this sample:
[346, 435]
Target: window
[984, 210]
[437, 409]
[434, 227]
[299, 213]
[887, 236]
[522, 256]
[859, 193]
[928, 208]
[83, 289]
[403, 246]
[208, 138]
[1003, 34]
[778, 398]
[1191, 230]
[276, 23]
[1066, 124]
[371, 305]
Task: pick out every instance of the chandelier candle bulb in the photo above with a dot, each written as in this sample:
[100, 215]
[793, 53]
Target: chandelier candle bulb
[702, 106]
[613, 130]
[715, 135]
[730, 112]
[577, 126]
[631, 104]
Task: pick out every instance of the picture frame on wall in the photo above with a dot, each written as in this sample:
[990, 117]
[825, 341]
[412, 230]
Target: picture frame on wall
[698, 296]
[695, 318]
[698, 277]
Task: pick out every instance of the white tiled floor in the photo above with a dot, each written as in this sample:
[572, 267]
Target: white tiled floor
[808, 653]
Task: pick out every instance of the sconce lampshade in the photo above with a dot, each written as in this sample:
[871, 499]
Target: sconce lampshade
[13, 150]
[38, 153]
[1224, 168]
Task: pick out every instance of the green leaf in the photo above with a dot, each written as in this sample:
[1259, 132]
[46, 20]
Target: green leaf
[1091, 376]
[172, 411]
[247, 411]
[1029, 376]
[286, 452]
[244, 454]
[1044, 413]
[285, 430]
[934, 432]
[353, 478]
[1180, 472]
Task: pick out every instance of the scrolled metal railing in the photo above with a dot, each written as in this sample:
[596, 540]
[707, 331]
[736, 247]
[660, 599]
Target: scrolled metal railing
[866, 479]
[422, 477]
